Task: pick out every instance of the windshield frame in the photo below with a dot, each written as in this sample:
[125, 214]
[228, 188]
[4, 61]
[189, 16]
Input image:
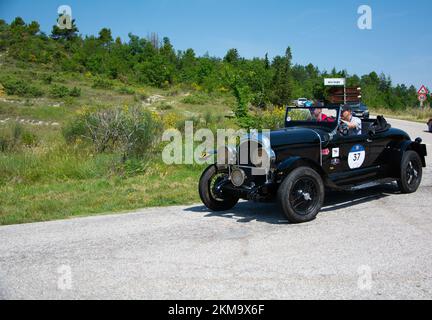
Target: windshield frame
[328, 126]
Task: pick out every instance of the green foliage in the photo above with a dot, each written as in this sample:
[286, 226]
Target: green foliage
[65, 33]
[14, 137]
[75, 92]
[100, 83]
[126, 90]
[195, 99]
[165, 106]
[132, 132]
[152, 62]
[59, 91]
[21, 88]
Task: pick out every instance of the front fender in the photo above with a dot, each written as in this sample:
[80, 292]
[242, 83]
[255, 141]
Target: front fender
[414, 146]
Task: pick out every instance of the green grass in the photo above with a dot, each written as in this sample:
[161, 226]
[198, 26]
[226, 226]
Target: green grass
[53, 180]
[61, 199]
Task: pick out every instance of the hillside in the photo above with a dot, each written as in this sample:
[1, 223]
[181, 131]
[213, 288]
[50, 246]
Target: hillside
[81, 118]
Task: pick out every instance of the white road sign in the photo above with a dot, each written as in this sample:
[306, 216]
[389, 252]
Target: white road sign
[334, 82]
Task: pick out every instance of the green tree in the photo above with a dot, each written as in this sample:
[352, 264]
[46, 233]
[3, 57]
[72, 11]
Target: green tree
[105, 36]
[282, 79]
[58, 33]
[232, 56]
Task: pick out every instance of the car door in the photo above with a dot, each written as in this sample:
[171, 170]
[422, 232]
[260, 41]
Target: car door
[377, 144]
[346, 154]
[348, 158]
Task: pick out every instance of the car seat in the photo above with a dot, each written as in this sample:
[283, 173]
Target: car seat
[380, 125]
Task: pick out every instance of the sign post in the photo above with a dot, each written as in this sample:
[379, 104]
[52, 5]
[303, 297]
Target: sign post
[422, 95]
[337, 82]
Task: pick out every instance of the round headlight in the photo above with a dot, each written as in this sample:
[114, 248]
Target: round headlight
[238, 177]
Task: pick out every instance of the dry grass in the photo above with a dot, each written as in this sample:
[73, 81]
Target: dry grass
[417, 115]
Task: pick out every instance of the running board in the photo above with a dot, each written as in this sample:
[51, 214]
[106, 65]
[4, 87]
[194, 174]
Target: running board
[367, 185]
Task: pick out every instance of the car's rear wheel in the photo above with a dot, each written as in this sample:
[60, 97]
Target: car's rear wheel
[411, 171]
[209, 190]
[301, 195]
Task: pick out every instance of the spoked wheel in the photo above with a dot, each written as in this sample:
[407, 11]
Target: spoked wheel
[301, 195]
[210, 190]
[411, 172]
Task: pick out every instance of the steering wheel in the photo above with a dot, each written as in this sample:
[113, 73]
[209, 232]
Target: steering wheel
[343, 129]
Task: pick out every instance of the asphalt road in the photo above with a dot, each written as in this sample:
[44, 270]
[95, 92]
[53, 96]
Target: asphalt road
[373, 244]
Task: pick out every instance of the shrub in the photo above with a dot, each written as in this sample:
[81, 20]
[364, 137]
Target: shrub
[133, 132]
[141, 97]
[74, 130]
[165, 106]
[100, 83]
[75, 92]
[195, 99]
[21, 88]
[14, 137]
[126, 90]
[47, 78]
[29, 139]
[59, 91]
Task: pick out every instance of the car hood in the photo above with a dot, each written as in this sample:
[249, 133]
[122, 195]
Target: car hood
[289, 136]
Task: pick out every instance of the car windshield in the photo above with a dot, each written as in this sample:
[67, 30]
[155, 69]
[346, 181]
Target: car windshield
[316, 117]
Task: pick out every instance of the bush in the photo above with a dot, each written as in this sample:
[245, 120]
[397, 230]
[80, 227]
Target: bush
[133, 132]
[21, 88]
[100, 83]
[142, 96]
[126, 90]
[74, 130]
[75, 92]
[165, 106]
[47, 78]
[14, 137]
[59, 91]
[195, 99]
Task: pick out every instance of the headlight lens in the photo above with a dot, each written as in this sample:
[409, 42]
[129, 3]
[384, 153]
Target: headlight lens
[238, 177]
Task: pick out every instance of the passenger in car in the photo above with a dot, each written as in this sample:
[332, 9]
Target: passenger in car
[320, 116]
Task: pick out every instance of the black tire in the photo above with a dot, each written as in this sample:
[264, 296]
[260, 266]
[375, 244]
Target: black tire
[411, 172]
[297, 204]
[206, 194]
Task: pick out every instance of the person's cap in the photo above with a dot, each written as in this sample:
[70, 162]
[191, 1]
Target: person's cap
[346, 107]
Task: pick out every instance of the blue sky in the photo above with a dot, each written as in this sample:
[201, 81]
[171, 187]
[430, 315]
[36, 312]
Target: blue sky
[324, 33]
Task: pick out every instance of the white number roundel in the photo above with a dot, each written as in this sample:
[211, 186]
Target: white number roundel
[356, 157]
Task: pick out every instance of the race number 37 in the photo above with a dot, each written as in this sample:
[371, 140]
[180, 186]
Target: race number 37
[356, 157]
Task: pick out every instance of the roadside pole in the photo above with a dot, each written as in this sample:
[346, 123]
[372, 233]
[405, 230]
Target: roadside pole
[337, 82]
[345, 95]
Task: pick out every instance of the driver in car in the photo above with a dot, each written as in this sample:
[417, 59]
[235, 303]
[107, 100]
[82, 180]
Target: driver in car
[350, 125]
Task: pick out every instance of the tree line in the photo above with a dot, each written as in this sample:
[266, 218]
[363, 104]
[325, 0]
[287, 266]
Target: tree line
[260, 81]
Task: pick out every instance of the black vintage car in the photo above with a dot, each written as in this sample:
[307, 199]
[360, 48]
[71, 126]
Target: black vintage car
[299, 162]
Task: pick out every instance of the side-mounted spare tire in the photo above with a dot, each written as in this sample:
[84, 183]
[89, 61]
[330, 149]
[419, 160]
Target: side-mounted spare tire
[209, 180]
[301, 195]
[411, 172]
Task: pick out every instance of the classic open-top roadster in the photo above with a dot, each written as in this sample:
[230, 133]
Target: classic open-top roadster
[306, 157]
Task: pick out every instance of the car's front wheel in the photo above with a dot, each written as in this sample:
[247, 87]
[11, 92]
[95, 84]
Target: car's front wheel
[411, 171]
[301, 195]
[209, 190]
